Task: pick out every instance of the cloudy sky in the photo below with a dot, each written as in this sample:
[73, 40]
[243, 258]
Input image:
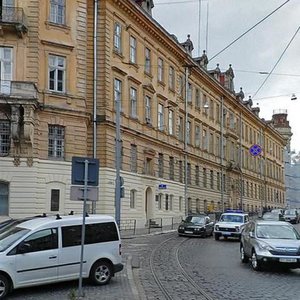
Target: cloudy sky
[257, 51]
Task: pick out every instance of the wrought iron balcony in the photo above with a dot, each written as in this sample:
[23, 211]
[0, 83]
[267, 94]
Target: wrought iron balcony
[13, 17]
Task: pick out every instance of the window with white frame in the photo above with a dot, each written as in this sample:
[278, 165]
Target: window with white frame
[57, 71]
[133, 102]
[118, 92]
[197, 136]
[132, 50]
[5, 69]
[171, 122]
[147, 61]
[57, 11]
[56, 141]
[4, 137]
[148, 109]
[171, 78]
[132, 198]
[118, 37]
[160, 70]
[160, 117]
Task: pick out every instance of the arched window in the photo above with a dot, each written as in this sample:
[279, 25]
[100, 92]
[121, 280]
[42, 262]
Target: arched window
[4, 187]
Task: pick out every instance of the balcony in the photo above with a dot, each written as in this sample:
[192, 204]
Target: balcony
[13, 19]
[18, 92]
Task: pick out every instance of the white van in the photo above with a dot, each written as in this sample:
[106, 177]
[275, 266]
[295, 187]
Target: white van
[44, 250]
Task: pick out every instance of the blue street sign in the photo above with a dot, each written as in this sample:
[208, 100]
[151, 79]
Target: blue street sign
[78, 171]
[255, 150]
[162, 186]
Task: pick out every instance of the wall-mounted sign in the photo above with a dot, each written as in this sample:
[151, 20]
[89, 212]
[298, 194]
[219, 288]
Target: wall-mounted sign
[255, 150]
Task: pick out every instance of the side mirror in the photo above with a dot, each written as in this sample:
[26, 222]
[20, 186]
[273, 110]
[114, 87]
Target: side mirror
[24, 248]
[251, 234]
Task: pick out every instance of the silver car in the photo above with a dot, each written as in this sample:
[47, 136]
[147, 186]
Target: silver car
[270, 242]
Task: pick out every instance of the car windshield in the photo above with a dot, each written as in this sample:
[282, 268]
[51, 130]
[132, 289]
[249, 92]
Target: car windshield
[290, 212]
[10, 236]
[231, 218]
[277, 232]
[194, 219]
[269, 216]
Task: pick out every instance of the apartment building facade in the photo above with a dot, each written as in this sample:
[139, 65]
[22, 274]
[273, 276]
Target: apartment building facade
[185, 133]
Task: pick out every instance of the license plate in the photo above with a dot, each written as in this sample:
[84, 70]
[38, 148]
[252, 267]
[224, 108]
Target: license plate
[188, 232]
[288, 260]
[226, 233]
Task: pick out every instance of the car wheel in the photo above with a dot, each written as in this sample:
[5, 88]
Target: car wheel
[4, 286]
[101, 272]
[217, 237]
[255, 263]
[244, 257]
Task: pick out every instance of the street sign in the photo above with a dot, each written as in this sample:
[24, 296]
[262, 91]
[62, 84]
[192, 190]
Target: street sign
[162, 186]
[255, 150]
[78, 164]
[77, 193]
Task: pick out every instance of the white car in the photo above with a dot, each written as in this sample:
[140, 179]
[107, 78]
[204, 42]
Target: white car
[44, 250]
[230, 224]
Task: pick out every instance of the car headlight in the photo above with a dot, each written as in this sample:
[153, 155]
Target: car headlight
[265, 246]
[181, 227]
[217, 227]
[237, 228]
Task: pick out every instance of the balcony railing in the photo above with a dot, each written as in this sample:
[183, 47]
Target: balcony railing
[13, 16]
[18, 89]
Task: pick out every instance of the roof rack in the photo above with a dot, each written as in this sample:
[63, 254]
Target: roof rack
[237, 211]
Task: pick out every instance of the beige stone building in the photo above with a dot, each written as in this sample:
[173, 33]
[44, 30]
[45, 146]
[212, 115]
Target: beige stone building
[185, 133]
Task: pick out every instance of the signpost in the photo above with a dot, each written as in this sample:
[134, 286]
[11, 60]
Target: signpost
[85, 171]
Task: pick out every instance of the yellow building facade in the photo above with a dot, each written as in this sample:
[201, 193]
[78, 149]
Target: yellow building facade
[185, 133]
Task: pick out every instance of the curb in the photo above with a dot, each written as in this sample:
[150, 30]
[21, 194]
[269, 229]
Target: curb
[131, 279]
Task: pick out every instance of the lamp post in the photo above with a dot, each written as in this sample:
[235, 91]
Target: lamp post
[186, 138]
[222, 152]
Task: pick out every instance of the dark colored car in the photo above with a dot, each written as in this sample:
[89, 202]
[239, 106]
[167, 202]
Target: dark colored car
[196, 225]
[270, 242]
[291, 215]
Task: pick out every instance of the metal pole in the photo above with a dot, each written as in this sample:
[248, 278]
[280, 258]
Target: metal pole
[95, 90]
[86, 167]
[222, 152]
[241, 161]
[185, 138]
[118, 163]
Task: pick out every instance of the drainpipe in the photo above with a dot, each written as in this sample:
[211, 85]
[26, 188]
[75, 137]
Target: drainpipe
[222, 153]
[95, 89]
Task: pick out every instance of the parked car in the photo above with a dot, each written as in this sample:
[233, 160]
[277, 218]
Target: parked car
[269, 216]
[230, 224]
[269, 242]
[292, 216]
[196, 225]
[44, 250]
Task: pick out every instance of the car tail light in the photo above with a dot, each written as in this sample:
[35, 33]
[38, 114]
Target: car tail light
[120, 249]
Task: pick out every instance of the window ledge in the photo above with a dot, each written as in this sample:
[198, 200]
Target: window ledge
[52, 25]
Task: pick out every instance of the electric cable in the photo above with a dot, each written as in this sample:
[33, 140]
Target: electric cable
[249, 29]
[269, 74]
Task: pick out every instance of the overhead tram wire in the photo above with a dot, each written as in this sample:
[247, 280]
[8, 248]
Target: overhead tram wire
[269, 74]
[271, 13]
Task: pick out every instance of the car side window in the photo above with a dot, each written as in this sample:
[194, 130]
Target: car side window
[246, 219]
[42, 240]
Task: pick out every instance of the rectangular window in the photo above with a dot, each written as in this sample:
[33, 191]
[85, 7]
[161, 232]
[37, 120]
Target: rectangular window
[160, 70]
[148, 110]
[160, 165]
[57, 11]
[197, 100]
[132, 50]
[211, 143]
[5, 69]
[4, 137]
[204, 178]
[188, 132]
[118, 38]
[167, 202]
[204, 139]
[133, 102]
[171, 197]
[132, 198]
[171, 167]
[180, 171]
[180, 204]
[4, 190]
[171, 78]
[189, 175]
[55, 200]
[180, 129]
[118, 92]
[197, 136]
[197, 176]
[147, 61]
[160, 117]
[218, 182]
[190, 93]
[57, 73]
[212, 179]
[133, 158]
[211, 109]
[182, 86]
[148, 166]
[171, 122]
[56, 141]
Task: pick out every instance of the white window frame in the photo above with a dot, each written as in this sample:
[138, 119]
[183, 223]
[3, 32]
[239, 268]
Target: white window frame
[160, 117]
[6, 66]
[171, 122]
[171, 78]
[118, 37]
[56, 141]
[147, 61]
[160, 70]
[197, 136]
[58, 11]
[133, 51]
[4, 137]
[133, 102]
[148, 109]
[57, 65]
[118, 92]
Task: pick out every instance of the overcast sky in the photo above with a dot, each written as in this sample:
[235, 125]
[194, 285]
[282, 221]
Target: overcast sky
[257, 51]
